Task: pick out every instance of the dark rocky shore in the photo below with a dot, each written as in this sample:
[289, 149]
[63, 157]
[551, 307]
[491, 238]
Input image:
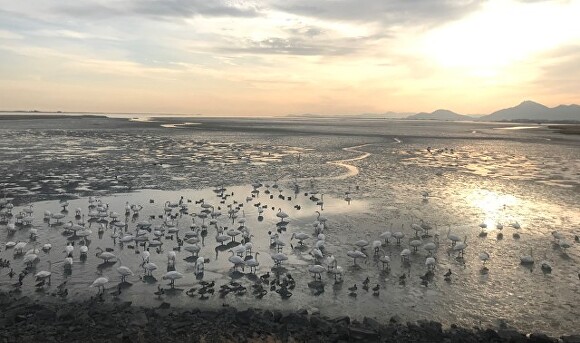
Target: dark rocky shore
[25, 320]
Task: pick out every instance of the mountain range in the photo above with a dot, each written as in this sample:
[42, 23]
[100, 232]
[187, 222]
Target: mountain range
[527, 110]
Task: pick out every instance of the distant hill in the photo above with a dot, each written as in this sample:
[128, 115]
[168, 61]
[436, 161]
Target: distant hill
[530, 110]
[439, 115]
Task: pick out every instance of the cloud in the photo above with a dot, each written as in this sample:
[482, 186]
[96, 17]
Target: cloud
[289, 46]
[560, 70]
[162, 9]
[390, 13]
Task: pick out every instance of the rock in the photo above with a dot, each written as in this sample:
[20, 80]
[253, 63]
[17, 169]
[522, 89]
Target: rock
[512, 335]
[208, 315]
[277, 316]
[314, 311]
[490, 335]
[432, 329]
[370, 323]
[65, 314]
[164, 305]
[268, 315]
[343, 319]
[538, 337]
[295, 319]
[19, 303]
[124, 305]
[245, 317]
[395, 319]
[45, 315]
[139, 319]
[570, 339]
[361, 334]
[302, 311]
[319, 324]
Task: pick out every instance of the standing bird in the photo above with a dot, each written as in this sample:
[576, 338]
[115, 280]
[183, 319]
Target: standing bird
[447, 276]
[43, 274]
[484, 257]
[253, 263]
[100, 284]
[460, 247]
[172, 276]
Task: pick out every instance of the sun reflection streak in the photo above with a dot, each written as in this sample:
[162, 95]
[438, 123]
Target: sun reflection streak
[492, 205]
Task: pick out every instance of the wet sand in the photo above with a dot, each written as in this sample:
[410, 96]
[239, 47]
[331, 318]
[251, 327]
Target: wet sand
[130, 175]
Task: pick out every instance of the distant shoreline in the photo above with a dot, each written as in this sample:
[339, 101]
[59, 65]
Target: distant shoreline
[572, 129]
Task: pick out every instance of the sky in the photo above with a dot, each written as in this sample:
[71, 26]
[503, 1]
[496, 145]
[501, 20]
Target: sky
[280, 57]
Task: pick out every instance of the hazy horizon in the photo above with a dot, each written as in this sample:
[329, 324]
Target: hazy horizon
[274, 58]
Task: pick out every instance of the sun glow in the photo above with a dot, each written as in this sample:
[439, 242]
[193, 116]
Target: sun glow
[492, 205]
[502, 34]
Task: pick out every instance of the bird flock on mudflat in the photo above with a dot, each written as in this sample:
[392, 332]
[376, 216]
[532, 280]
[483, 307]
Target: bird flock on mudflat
[154, 234]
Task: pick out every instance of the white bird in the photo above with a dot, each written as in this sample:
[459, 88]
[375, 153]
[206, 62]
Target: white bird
[430, 262]
[416, 243]
[452, 237]
[460, 247]
[172, 276]
[44, 274]
[430, 247]
[30, 259]
[149, 268]
[104, 255]
[100, 283]
[194, 249]
[278, 258]
[300, 236]
[282, 215]
[145, 256]
[19, 247]
[47, 247]
[253, 263]
[124, 272]
[405, 255]
[68, 262]
[377, 246]
[398, 236]
[237, 261]
[361, 243]
[171, 255]
[199, 265]
[336, 270]
[316, 270]
[356, 254]
[69, 250]
[317, 253]
[386, 236]
[484, 257]
[386, 261]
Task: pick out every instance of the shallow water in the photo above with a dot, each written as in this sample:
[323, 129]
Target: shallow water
[529, 177]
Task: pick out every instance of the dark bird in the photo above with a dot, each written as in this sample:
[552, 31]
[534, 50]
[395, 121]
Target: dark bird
[160, 291]
[448, 274]
[353, 288]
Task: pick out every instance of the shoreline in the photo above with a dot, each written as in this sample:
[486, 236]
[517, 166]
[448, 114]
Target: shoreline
[27, 320]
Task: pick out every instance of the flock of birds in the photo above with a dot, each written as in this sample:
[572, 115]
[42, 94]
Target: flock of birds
[232, 235]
